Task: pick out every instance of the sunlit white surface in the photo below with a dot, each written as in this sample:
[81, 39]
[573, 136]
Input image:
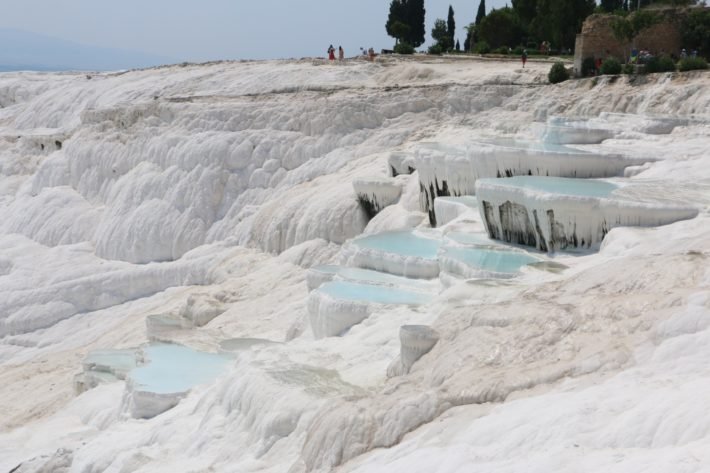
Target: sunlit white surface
[238, 177]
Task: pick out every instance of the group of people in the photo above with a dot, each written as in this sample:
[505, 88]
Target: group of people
[368, 53]
[644, 55]
[684, 54]
[331, 53]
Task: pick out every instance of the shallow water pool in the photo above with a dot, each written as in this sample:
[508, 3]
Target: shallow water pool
[472, 239]
[495, 261]
[401, 243]
[357, 292]
[112, 361]
[176, 368]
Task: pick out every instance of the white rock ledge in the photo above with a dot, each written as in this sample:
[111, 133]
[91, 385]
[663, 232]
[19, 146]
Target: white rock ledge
[318, 275]
[470, 263]
[551, 221]
[393, 263]
[337, 306]
[448, 209]
[146, 404]
[416, 341]
[330, 317]
[394, 256]
[455, 174]
[401, 162]
[376, 193]
[581, 134]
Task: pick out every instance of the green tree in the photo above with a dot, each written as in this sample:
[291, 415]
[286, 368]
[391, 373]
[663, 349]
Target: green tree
[481, 14]
[501, 27]
[405, 22]
[417, 16]
[559, 21]
[610, 6]
[526, 10]
[471, 37]
[399, 30]
[397, 21]
[696, 31]
[440, 33]
[451, 26]
[626, 29]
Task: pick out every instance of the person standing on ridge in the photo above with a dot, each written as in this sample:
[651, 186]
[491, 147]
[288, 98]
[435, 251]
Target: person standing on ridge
[524, 57]
[331, 53]
[341, 53]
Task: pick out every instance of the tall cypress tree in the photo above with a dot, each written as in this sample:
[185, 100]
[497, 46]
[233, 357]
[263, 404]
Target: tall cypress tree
[451, 26]
[481, 12]
[417, 16]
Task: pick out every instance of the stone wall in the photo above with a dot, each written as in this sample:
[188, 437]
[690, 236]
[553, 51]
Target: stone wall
[597, 38]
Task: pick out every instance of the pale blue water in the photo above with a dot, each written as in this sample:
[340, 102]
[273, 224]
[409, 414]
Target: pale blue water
[353, 291]
[491, 260]
[114, 360]
[559, 185]
[475, 239]
[538, 146]
[401, 243]
[467, 200]
[369, 276]
[327, 268]
[176, 369]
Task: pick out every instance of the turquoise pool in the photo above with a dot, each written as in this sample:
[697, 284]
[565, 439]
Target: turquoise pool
[401, 243]
[175, 369]
[495, 261]
[357, 292]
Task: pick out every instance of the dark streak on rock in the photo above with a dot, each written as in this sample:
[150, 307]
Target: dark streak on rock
[541, 243]
[371, 208]
[490, 221]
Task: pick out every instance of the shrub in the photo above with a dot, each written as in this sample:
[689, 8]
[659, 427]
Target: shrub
[660, 64]
[436, 49]
[518, 51]
[696, 30]
[611, 66]
[588, 67]
[558, 73]
[692, 64]
[502, 50]
[404, 48]
[628, 69]
[482, 48]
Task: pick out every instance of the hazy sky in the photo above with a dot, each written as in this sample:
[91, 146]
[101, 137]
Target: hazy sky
[200, 30]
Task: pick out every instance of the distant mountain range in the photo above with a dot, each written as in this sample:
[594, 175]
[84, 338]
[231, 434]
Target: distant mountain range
[26, 51]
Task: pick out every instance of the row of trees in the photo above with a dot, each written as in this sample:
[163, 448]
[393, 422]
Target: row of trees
[552, 20]
[611, 6]
[525, 23]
